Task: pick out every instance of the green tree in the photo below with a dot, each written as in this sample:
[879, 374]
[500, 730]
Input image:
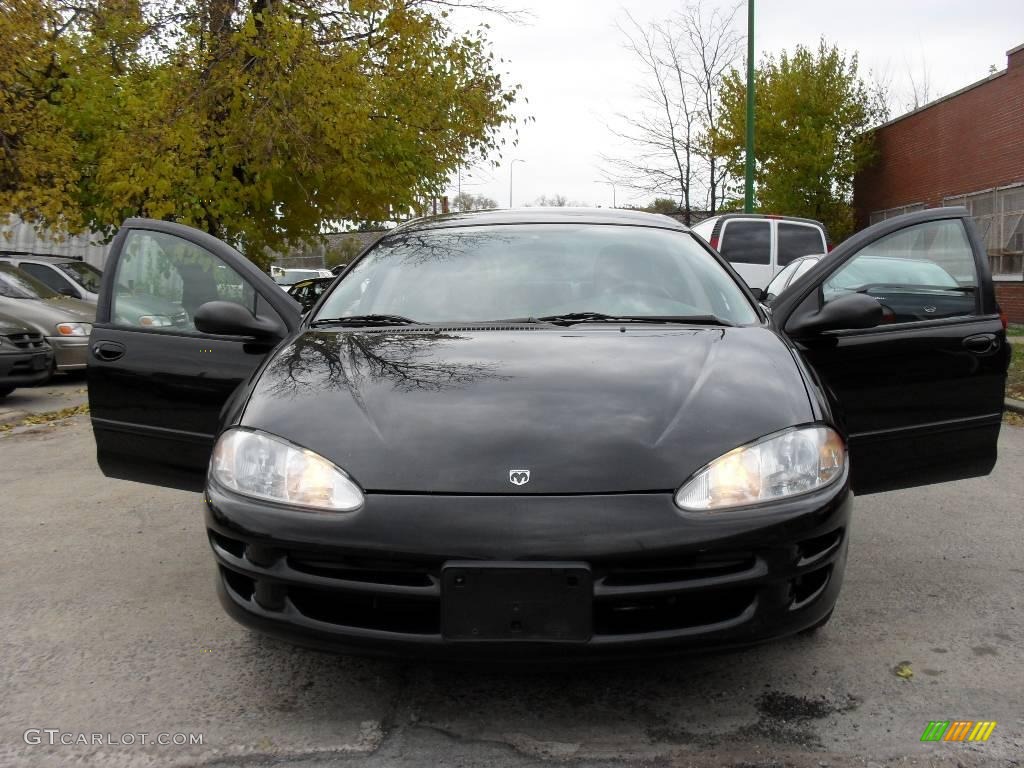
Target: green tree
[256, 121]
[812, 122]
[663, 205]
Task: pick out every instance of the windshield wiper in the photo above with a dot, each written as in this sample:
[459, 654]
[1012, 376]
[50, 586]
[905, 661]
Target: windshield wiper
[571, 318]
[365, 320]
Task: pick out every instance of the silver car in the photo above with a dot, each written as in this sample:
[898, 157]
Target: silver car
[64, 322]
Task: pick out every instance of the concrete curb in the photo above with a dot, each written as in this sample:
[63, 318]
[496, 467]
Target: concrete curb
[1017, 406]
[11, 415]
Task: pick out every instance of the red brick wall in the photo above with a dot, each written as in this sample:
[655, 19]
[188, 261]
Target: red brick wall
[1011, 300]
[970, 142]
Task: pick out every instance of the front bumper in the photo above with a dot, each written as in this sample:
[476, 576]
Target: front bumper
[70, 352]
[370, 581]
[23, 369]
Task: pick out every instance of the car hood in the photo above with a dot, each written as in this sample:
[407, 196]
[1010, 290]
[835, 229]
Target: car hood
[43, 314]
[594, 410]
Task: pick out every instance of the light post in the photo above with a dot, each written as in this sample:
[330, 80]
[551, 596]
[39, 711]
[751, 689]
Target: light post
[748, 186]
[510, 167]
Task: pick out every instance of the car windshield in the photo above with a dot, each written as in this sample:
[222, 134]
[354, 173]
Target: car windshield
[15, 284]
[488, 273]
[86, 275]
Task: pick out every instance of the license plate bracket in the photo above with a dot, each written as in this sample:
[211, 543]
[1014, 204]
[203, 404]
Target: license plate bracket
[510, 601]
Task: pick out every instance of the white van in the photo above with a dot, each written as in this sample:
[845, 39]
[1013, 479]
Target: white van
[758, 245]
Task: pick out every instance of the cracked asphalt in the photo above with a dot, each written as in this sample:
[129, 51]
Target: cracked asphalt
[109, 624]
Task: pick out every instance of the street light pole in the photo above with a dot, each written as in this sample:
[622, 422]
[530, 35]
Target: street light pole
[510, 167]
[748, 187]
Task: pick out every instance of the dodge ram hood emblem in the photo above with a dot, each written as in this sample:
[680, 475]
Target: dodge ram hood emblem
[519, 476]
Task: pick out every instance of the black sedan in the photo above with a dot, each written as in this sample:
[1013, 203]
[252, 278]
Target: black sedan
[544, 431]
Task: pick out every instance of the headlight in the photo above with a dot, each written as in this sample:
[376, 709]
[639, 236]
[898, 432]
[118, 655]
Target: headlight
[74, 329]
[781, 465]
[267, 467]
[155, 321]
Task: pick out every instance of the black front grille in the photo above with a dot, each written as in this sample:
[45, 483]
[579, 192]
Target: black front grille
[638, 615]
[364, 570]
[391, 613]
[679, 569]
[27, 341]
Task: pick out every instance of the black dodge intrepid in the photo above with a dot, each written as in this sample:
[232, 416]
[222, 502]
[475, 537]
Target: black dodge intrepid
[519, 433]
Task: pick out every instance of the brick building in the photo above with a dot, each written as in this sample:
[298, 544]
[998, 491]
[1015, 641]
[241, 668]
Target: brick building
[966, 148]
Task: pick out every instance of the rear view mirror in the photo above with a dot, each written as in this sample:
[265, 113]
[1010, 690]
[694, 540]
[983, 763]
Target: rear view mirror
[855, 310]
[225, 318]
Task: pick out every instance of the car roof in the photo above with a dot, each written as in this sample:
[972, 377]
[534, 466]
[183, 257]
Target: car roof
[779, 217]
[542, 215]
[37, 258]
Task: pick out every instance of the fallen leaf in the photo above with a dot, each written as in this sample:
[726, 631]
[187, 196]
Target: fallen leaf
[903, 670]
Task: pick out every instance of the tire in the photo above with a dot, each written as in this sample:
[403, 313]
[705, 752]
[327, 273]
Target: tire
[5, 391]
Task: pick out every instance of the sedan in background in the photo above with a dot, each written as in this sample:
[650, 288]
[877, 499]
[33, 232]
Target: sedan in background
[25, 357]
[68, 277]
[572, 432]
[64, 322]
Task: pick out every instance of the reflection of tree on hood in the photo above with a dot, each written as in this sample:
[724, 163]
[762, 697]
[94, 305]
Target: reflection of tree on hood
[348, 359]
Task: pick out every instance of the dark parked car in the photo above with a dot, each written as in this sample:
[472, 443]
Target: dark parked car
[25, 357]
[543, 431]
[308, 292]
[64, 322]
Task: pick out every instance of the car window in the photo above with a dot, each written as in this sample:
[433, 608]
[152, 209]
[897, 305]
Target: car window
[746, 242]
[796, 240]
[48, 276]
[780, 281]
[18, 284]
[475, 274]
[162, 280]
[802, 269]
[86, 275]
[923, 272]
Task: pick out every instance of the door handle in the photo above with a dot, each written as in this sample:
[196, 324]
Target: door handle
[982, 343]
[108, 351]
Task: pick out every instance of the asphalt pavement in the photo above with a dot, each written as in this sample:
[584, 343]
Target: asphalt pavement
[109, 625]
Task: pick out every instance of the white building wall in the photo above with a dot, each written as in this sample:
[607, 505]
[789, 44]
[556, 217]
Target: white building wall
[21, 237]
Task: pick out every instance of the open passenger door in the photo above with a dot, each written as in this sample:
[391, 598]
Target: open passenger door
[901, 325]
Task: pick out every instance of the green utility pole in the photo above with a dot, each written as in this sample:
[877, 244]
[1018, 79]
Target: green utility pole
[748, 189]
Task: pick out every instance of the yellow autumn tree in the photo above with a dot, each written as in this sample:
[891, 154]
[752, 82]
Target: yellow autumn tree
[256, 121]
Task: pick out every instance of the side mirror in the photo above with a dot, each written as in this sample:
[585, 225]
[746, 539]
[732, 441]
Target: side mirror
[225, 318]
[855, 310]
[67, 290]
[759, 293]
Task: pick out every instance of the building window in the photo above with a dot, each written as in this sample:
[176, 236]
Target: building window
[999, 218]
[888, 213]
